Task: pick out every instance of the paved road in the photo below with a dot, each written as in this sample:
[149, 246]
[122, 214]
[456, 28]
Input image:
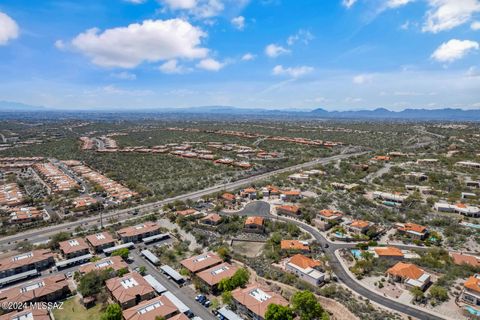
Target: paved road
[262, 208]
[181, 293]
[40, 235]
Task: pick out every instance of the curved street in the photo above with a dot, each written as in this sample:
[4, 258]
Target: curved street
[262, 208]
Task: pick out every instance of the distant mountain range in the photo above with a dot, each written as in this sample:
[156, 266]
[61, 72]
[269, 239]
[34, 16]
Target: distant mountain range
[376, 114]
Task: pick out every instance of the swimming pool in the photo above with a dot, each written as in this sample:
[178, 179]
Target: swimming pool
[471, 225]
[356, 253]
[473, 311]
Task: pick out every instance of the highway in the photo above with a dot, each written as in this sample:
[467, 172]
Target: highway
[43, 234]
[261, 208]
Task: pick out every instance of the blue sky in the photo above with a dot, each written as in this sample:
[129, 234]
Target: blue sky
[286, 54]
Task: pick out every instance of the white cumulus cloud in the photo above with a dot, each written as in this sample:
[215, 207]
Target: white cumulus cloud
[454, 49]
[149, 41]
[397, 3]
[273, 50]
[303, 36]
[8, 29]
[180, 4]
[348, 3]
[210, 64]
[124, 75]
[135, 1]
[172, 67]
[448, 14]
[248, 57]
[362, 78]
[293, 72]
[475, 25]
[238, 22]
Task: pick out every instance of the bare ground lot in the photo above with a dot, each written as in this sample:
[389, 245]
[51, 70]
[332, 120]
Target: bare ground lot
[250, 249]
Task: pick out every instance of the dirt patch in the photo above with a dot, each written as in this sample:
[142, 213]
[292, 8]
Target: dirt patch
[250, 249]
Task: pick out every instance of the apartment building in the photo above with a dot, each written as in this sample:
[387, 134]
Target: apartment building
[201, 262]
[254, 300]
[138, 232]
[130, 290]
[100, 241]
[157, 308]
[36, 259]
[48, 289]
[55, 178]
[115, 263]
[11, 195]
[74, 248]
[211, 277]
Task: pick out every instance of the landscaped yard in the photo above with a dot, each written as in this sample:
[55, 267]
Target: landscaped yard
[72, 309]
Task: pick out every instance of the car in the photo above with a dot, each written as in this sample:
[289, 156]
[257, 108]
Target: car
[207, 304]
[69, 274]
[198, 297]
[202, 299]
[326, 245]
[189, 314]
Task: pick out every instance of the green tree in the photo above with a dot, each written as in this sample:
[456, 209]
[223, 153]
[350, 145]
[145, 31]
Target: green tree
[224, 253]
[113, 312]
[417, 294]
[142, 270]
[123, 252]
[438, 293]
[93, 282]
[278, 312]
[305, 304]
[59, 237]
[227, 297]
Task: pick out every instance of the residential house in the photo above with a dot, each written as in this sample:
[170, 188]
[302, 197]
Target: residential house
[254, 224]
[412, 230]
[299, 177]
[254, 300]
[359, 226]
[306, 269]
[471, 290]
[410, 275]
[250, 193]
[290, 195]
[74, 248]
[130, 289]
[228, 197]
[468, 164]
[295, 245]
[387, 196]
[212, 219]
[327, 218]
[187, 212]
[289, 210]
[460, 258]
[390, 253]
[460, 208]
